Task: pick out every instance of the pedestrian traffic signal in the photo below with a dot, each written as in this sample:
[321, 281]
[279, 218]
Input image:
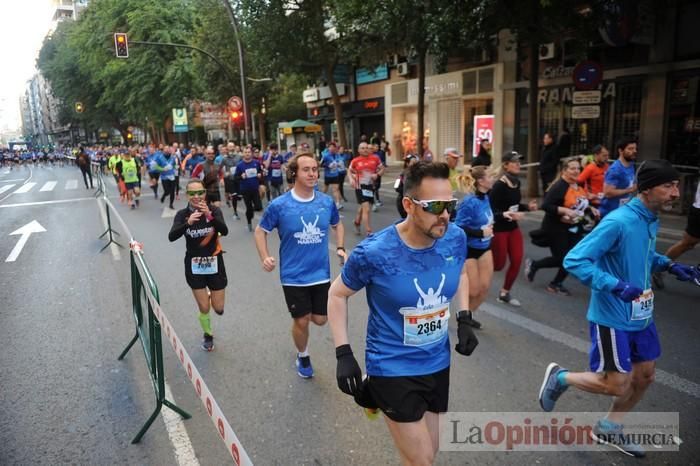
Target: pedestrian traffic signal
[121, 45]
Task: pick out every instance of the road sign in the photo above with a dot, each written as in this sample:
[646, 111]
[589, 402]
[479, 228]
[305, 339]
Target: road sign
[26, 231]
[180, 120]
[584, 112]
[587, 75]
[235, 103]
[586, 97]
[483, 129]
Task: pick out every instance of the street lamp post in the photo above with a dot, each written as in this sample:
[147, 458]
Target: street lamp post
[241, 64]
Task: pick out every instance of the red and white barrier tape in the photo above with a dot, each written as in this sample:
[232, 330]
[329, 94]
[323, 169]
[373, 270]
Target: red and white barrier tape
[228, 436]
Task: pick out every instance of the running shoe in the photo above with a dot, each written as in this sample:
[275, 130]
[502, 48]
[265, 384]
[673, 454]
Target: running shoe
[250, 227]
[375, 207]
[551, 389]
[529, 270]
[339, 206]
[172, 207]
[558, 288]
[208, 342]
[133, 206]
[506, 298]
[357, 229]
[378, 203]
[304, 368]
[236, 217]
[610, 433]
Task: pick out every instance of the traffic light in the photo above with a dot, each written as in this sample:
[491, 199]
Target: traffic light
[79, 107]
[129, 135]
[236, 116]
[121, 45]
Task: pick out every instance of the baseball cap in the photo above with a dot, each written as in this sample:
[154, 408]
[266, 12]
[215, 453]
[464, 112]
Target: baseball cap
[511, 156]
[452, 152]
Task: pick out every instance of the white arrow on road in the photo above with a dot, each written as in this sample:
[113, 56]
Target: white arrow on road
[25, 231]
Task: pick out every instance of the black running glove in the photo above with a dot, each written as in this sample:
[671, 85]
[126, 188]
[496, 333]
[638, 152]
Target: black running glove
[466, 340]
[348, 372]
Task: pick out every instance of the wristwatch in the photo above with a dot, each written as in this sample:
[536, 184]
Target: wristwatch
[340, 248]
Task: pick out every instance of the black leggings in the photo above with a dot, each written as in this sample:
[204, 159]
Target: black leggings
[560, 243]
[341, 183]
[86, 172]
[252, 203]
[168, 190]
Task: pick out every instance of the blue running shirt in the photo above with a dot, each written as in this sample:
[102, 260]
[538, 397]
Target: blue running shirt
[408, 292]
[251, 170]
[303, 226]
[619, 177]
[473, 213]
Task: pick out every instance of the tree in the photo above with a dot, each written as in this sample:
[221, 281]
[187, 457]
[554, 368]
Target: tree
[295, 36]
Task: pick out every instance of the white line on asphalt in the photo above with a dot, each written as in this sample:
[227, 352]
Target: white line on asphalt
[116, 255]
[60, 201]
[31, 172]
[48, 186]
[665, 378]
[184, 451]
[25, 188]
[14, 179]
[168, 212]
[7, 187]
[71, 184]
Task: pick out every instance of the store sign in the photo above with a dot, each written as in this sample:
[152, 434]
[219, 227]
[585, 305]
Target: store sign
[554, 95]
[367, 75]
[483, 129]
[584, 112]
[552, 72]
[370, 105]
[310, 95]
[692, 125]
[180, 120]
[587, 97]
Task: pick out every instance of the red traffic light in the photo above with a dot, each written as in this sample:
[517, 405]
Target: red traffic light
[121, 45]
[235, 116]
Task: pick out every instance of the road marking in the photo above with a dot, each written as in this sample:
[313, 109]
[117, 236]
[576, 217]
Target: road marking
[15, 179]
[25, 232]
[116, 255]
[25, 188]
[60, 201]
[665, 378]
[184, 451]
[168, 212]
[72, 184]
[6, 188]
[48, 186]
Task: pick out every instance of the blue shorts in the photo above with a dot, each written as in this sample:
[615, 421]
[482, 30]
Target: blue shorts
[131, 186]
[615, 350]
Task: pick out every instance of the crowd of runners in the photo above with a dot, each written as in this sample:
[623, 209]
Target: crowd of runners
[454, 228]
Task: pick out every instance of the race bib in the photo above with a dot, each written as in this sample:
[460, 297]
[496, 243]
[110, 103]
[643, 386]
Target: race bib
[251, 172]
[367, 192]
[130, 172]
[276, 172]
[205, 265]
[643, 306]
[423, 327]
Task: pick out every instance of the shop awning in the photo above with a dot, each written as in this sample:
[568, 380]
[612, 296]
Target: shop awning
[299, 126]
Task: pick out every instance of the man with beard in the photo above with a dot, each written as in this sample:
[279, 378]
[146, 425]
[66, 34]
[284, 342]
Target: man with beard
[616, 260]
[619, 179]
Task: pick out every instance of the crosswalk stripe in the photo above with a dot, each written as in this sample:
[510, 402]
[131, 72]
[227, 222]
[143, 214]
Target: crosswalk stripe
[5, 188]
[72, 184]
[25, 188]
[48, 186]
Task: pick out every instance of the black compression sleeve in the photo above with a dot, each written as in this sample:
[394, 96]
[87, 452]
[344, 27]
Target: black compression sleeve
[179, 226]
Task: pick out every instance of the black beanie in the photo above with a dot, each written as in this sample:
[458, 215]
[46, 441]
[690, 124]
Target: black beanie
[655, 172]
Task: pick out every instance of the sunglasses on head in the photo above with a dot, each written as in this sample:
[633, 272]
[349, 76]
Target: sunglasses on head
[436, 207]
[199, 192]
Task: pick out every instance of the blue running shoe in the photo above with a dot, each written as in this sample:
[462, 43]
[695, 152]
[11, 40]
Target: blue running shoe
[551, 389]
[304, 368]
[609, 433]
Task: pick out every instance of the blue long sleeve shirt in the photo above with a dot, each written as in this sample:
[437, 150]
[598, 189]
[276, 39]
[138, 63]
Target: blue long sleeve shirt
[621, 247]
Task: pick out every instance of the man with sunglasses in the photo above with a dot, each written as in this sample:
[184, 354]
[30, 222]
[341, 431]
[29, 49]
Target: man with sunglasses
[411, 271]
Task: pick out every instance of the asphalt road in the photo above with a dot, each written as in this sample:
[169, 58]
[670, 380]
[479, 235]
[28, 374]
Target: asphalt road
[65, 399]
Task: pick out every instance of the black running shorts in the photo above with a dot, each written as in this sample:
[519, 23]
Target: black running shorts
[474, 253]
[304, 300]
[406, 399]
[213, 282]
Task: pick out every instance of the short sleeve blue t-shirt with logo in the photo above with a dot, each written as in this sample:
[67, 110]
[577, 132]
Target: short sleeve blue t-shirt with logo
[408, 291]
[619, 177]
[303, 226]
[251, 182]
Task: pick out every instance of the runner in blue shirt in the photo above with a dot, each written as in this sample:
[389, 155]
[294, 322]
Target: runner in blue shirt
[411, 271]
[248, 173]
[616, 260]
[330, 161]
[619, 185]
[475, 217]
[303, 218]
[275, 169]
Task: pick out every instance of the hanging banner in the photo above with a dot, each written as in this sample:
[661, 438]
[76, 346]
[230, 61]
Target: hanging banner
[483, 129]
[180, 120]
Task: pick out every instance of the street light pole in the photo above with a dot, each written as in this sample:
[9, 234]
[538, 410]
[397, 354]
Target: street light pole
[241, 64]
